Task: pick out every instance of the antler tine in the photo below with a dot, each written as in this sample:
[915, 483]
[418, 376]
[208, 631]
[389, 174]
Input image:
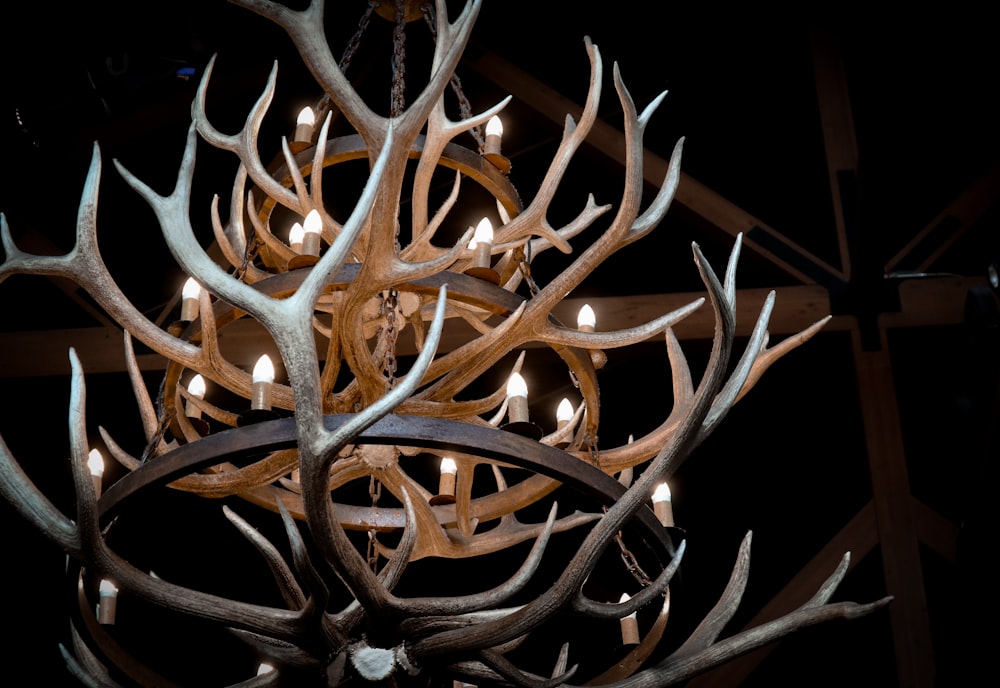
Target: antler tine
[289, 587]
[507, 670]
[244, 143]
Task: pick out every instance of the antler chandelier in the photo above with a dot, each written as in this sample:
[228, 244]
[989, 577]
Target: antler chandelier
[384, 469]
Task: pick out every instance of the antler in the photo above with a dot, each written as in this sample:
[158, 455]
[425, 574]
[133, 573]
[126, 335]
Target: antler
[360, 414]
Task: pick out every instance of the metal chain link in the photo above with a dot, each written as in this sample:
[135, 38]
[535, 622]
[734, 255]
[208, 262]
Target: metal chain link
[523, 258]
[631, 563]
[374, 491]
[398, 100]
[355, 42]
[390, 303]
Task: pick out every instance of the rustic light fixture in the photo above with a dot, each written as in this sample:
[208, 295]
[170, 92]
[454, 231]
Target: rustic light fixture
[388, 471]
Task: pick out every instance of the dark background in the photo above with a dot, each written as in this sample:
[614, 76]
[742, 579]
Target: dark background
[789, 463]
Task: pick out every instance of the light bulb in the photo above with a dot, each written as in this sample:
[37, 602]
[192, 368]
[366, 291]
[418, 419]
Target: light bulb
[263, 371]
[311, 228]
[494, 127]
[295, 236]
[189, 299]
[95, 462]
[564, 413]
[585, 319]
[516, 387]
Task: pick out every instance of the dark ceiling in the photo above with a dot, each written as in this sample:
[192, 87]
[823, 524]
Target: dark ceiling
[903, 113]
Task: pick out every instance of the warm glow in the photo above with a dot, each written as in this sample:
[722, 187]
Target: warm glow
[494, 127]
[95, 462]
[516, 387]
[295, 234]
[565, 411]
[306, 116]
[264, 370]
[313, 223]
[196, 387]
[191, 289]
[661, 494]
[586, 317]
[448, 465]
[484, 232]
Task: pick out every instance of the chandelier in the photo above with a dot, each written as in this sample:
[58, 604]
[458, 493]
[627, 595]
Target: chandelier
[367, 455]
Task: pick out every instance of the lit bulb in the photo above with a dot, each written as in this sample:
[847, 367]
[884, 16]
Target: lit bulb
[564, 413]
[189, 299]
[494, 127]
[107, 604]
[311, 228]
[517, 399]
[585, 319]
[295, 235]
[263, 377]
[629, 624]
[263, 371]
[196, 388]
[264, 668]
[304, 124]
[516, 387]
[446, 482]
[662, 505]
[482, 243]
[95, 462]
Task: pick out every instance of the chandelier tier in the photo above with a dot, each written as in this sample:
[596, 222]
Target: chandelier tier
[386, 457]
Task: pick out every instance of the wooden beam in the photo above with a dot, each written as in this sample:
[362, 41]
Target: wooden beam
[952, 222]
[839, 138]
[859, 537]
[691, 194]
[101, 349]
[902, 567]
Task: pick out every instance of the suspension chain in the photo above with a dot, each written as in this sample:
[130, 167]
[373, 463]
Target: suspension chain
[390, 331]
[374, 491]
[398, 99]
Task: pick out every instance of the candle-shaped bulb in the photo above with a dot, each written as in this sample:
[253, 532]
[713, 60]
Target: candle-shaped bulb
[629, 624]
[263, 378]
[304, 124]
[107, 604]
[295, 236]
[494, 132]
[564, 413]
[196, 388]
[517, 399]
[585, 319]
[311, 228]
[189, 299]
[482, 243]
[662, 505]
[494, 127]
[95, 462]
[449, 470]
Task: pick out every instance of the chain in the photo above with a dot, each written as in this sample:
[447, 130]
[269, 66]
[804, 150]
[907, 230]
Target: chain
[464, 106]
[355, 42]
[631, 563]
[398, 101]
[522, 254]
[390, 303]
[374, 491]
